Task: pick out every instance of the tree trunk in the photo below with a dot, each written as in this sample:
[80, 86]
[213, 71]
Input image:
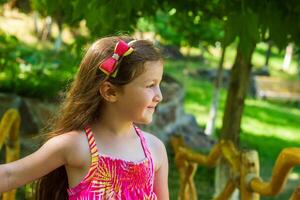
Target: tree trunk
[46, 33]
[35, 22]
[287, 57]
[268, 54]
[141, 34]
[211, 123]
[298, 65]
[10, 4]
[58, 40]
[238, 87]
[188, 51]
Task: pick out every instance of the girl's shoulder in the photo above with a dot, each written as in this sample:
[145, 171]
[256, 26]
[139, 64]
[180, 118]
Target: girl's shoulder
[157, 148]
[153, 140]
[76, 148]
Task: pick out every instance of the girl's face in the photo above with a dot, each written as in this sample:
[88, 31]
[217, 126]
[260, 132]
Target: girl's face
[139, 98]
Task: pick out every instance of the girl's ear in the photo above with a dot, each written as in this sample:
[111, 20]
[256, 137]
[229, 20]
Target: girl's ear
[108, 91]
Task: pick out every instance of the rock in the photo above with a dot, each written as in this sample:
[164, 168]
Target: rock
[14, 101]
[40, 111]
[170, 118]
[171, 52]
[34, 113]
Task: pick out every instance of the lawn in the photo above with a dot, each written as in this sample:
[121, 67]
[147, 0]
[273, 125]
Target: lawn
[267, 126]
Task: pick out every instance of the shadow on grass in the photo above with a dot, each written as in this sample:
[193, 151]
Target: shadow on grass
[279, 114]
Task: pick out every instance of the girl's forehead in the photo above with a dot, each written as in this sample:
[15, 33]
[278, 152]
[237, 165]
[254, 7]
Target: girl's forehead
[153, 70]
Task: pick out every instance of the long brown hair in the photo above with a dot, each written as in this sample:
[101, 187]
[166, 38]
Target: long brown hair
[82, 103]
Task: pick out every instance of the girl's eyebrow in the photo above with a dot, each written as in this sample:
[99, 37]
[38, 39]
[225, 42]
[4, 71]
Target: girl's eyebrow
[154, 79]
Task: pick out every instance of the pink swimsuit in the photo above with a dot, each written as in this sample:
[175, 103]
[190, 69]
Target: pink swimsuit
[116, 179]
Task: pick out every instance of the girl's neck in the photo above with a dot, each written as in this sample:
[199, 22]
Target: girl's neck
[113, 124]
[112, 128]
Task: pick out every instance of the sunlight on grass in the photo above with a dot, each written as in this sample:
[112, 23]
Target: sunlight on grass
[261, 118]
[259, 58]
[200, 112]
[270, 119]
[257, 127]
[279, 107]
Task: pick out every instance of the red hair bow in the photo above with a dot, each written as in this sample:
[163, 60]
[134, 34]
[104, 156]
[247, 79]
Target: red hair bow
[109, 65]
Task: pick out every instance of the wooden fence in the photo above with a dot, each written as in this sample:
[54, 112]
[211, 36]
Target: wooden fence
[9, 136]
[244, 166]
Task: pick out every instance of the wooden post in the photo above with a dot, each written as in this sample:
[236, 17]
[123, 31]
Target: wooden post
[296, 194]
[244, 167]
[249, 167]
[186, 169]
[287, 159]
[191, 171]
[227, 192]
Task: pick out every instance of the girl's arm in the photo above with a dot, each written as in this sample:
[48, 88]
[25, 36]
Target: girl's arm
[49, 157]
[161, 188]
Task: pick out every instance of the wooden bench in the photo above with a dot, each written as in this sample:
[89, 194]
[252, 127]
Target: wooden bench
[277, 89]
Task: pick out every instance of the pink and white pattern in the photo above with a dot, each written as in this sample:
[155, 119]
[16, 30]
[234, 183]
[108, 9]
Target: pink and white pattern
[116, 179]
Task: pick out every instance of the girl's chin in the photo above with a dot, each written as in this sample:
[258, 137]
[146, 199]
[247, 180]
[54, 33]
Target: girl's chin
[144, 121]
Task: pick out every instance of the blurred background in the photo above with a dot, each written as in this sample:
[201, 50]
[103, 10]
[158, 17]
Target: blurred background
[232, 71]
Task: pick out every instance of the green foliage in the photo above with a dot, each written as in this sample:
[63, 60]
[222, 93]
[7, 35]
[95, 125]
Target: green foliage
[29, 71]
[243, 25]
[3, 1]
[250, 21]
[102, 17]
[144, 25]
[169, 32]
[60, 11]
[282, 20]
[186, 28]
[8, 43]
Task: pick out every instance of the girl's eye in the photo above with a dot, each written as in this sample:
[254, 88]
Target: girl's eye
[152, 85]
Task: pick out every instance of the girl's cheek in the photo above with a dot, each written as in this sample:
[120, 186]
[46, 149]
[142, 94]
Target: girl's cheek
[153, 92]
[148, 94]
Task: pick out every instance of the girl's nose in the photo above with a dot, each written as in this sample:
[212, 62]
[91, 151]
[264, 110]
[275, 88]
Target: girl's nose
[158, 96]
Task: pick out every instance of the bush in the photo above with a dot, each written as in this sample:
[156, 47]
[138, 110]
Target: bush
[29, 71]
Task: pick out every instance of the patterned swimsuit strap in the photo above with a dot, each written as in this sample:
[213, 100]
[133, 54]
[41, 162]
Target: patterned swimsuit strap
[95, 153]
[144, 143]
[92, 144]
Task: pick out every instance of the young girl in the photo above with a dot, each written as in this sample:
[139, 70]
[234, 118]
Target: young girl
[95, 150]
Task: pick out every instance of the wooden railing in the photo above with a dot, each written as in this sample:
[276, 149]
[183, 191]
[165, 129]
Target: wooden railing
[244, 166]
[9, 136]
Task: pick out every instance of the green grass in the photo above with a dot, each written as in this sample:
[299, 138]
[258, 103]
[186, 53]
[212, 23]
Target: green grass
[267, 126]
